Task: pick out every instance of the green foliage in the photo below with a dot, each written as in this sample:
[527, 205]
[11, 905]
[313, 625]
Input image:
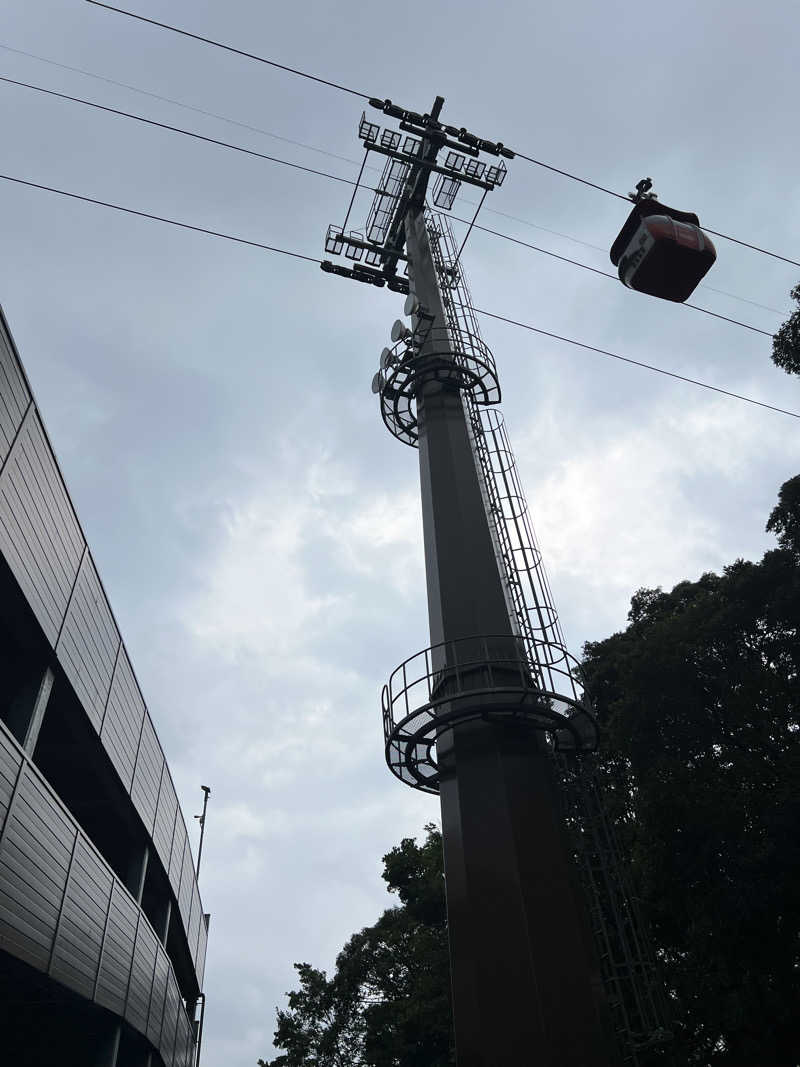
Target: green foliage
[786, 342]
[388, 1001]
[700, 701]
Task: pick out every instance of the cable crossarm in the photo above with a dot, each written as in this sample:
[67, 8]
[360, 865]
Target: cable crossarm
[230, 48]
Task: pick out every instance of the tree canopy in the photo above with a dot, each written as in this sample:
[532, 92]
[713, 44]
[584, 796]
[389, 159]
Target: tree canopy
[388, 1000]
[699, 703]
[786, 342]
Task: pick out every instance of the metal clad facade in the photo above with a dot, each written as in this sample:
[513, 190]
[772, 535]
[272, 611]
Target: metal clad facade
[89, 642]
[200, 954]
[39, 534]
[14, 396]
[122, 724]
[79, 942]
[62, 908]
[167, 811]
[115, 966]
[140, 986]
[10, 763]
[147, 776]
[34, 863]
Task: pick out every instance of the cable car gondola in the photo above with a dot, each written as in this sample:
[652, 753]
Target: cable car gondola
[661, 251]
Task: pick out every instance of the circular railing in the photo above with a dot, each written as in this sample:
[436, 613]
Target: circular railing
[489, 678]
[438, 355]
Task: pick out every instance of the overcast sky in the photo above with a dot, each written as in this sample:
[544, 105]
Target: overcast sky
[257, 529]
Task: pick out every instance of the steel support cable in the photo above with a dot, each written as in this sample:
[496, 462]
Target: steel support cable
[369, 96]
[314, 259]
[230, 48]
[181, 104]
[596, 270]
[621, 196]
[158, 218]
[334, 155]
[469, 230]
[334, 177]
[177, 129]
[636, 362]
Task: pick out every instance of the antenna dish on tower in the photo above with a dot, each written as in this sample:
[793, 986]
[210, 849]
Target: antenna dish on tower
[411, 305]
[400, 331]
[388, 358]
[378, 382]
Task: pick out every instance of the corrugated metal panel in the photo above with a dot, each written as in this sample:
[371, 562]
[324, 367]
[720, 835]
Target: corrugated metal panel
[14, 396]
[10, 763]
[165, 818]
[89, 641]
[140, 988]
[115, 966]
[183, 1041]
[79, 943]
[147, 776]
[172, 1005]
[34, 862]
[179, 844]
[194, 922]
[39, 534]
[187, 886]
[161, 975]
[200, 955]
[122, 724]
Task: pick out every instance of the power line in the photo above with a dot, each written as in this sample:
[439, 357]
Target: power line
[636, 362]
[180, 103]
[314, 259]
[596, 270]
[230, 48]
[175, 129]
[158, 218]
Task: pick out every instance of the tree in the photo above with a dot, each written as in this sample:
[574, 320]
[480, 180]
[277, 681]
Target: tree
[388, 1001]
[700, 701]
[786, 342]
[699, 704]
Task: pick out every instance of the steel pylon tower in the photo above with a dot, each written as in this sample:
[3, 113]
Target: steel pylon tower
[483, 715]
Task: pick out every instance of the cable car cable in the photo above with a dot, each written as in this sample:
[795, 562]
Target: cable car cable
[314, 259]
[181, 104]
[334, 177]
[176, 129]
[158, 218]
[301, 144]
[620, 196]
[235, 51]
[369, 96]
[635, 362]
[604, 273]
